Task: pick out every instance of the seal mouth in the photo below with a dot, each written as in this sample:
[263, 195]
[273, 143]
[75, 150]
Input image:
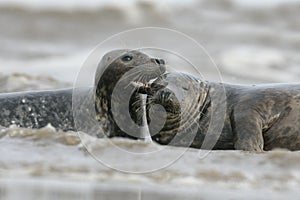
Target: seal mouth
[142, 88]
[140, 84]
[169, 101]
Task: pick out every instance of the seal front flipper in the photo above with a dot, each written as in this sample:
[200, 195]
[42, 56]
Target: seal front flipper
[247, 129]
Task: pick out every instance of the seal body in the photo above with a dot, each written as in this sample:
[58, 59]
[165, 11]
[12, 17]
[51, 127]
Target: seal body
[37, 109]
[241, 117]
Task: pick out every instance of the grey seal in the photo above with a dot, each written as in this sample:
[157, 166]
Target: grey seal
[256, 117]
[36, 109]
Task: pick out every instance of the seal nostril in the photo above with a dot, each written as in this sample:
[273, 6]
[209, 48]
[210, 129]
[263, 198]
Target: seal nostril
[157, 61]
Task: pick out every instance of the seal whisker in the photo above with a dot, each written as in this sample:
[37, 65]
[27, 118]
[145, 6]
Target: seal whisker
[129, 75]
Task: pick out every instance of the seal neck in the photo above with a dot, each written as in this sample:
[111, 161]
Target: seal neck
[205, 100]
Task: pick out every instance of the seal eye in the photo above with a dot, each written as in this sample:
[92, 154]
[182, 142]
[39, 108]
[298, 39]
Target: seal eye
[127, 58]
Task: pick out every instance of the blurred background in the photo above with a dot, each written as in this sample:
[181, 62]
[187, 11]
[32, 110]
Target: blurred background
[44, 43]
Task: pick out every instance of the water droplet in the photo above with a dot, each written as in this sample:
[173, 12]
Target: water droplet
[23, 100]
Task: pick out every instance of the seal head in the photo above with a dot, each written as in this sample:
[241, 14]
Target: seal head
[123, 71]
[175, 105]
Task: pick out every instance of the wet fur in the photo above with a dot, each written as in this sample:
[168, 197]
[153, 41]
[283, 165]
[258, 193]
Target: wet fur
[257, 117]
